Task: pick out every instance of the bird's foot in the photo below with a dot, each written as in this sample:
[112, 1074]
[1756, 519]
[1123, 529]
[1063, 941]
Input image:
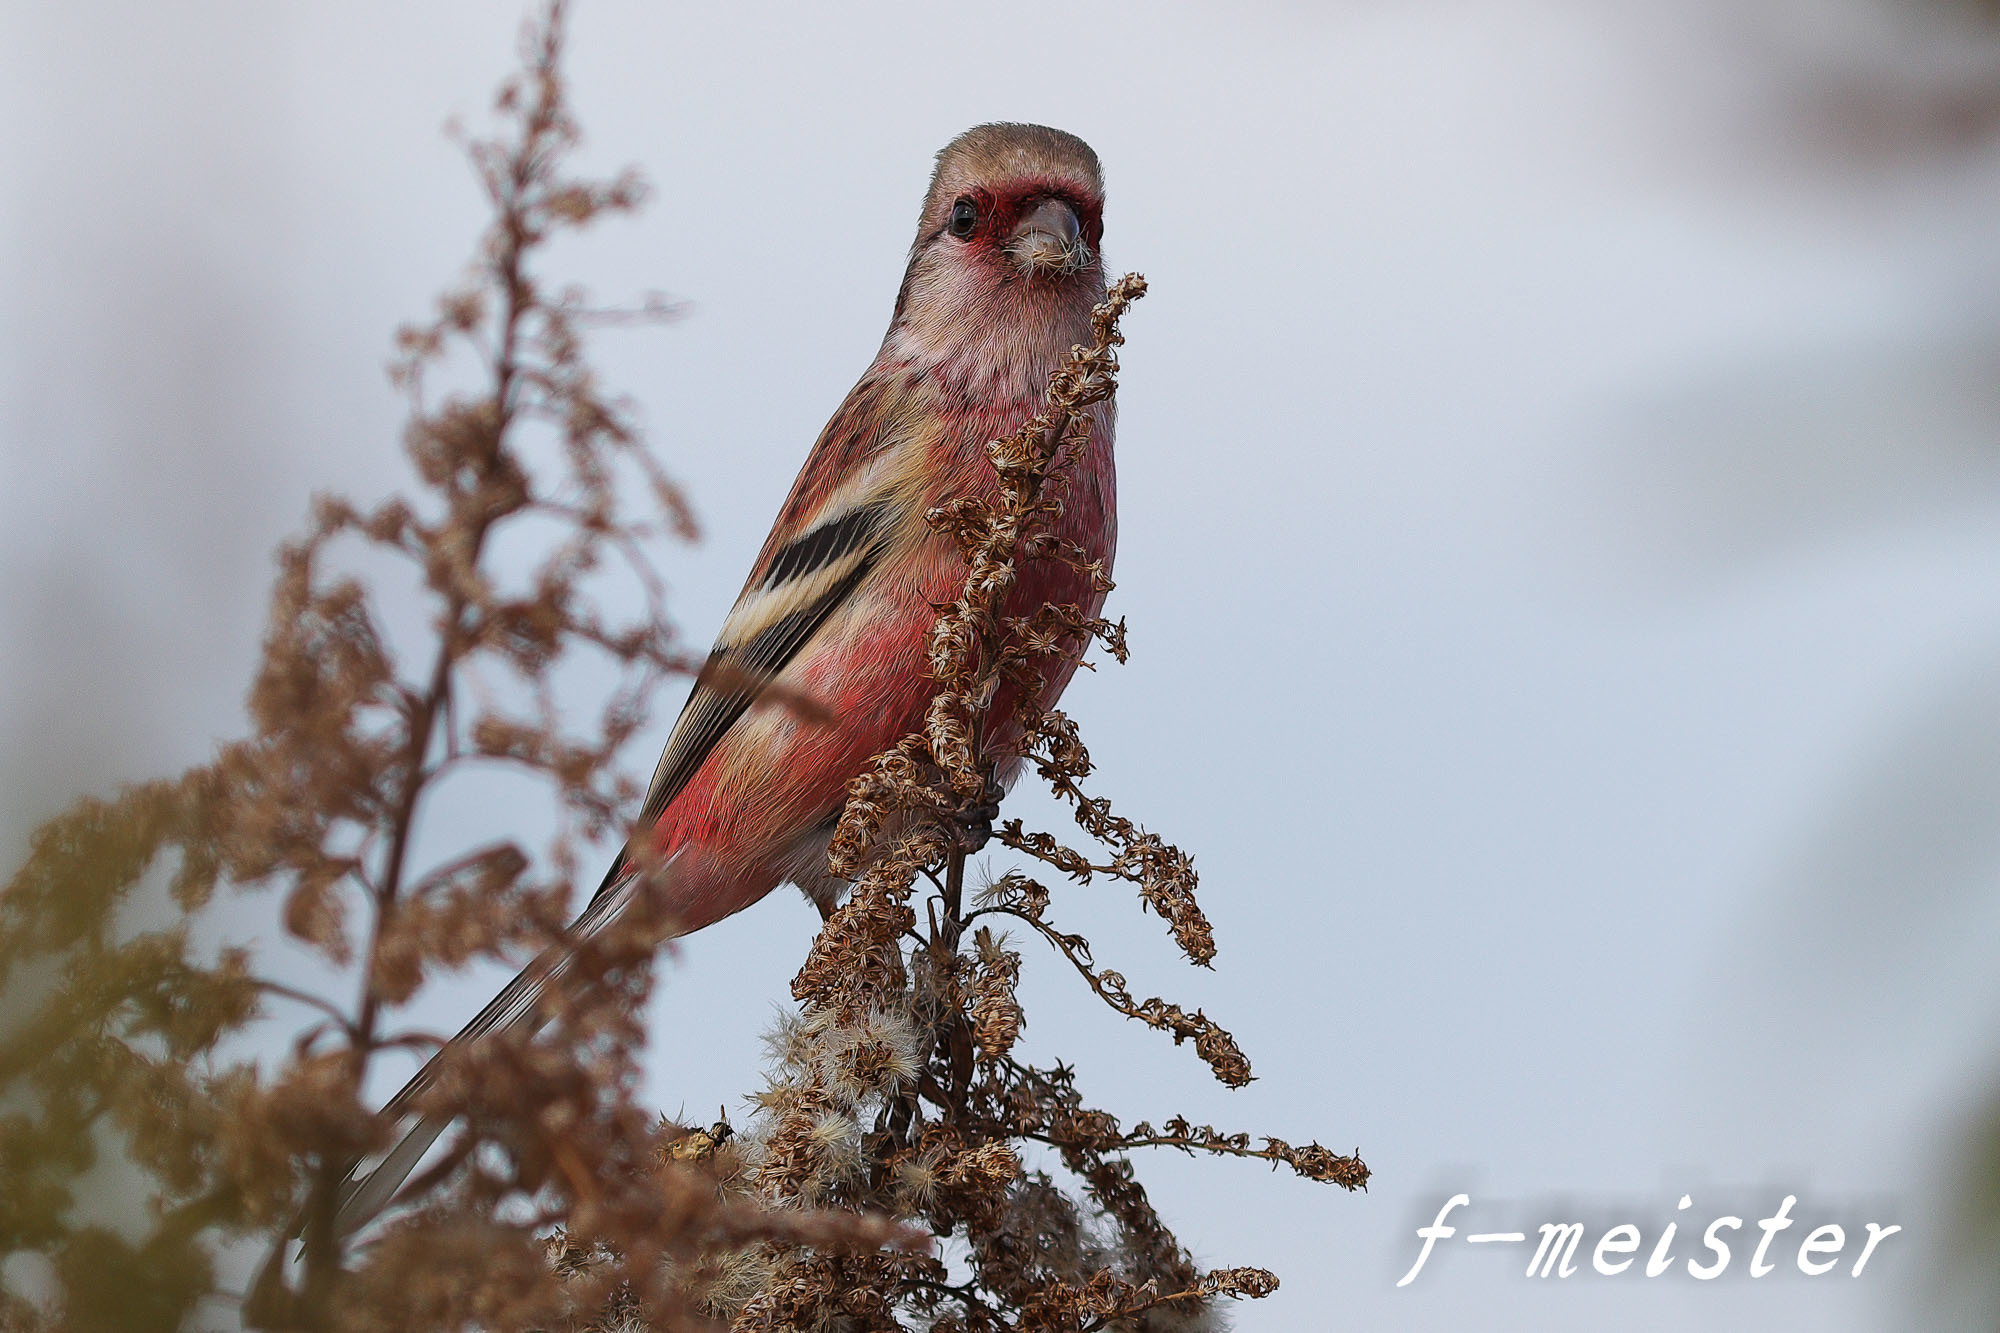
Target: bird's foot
[974, 824]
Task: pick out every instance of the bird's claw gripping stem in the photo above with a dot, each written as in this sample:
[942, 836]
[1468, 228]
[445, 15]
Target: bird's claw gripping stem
[973, 824]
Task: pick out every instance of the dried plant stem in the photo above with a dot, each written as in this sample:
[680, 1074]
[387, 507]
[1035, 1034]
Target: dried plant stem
[911, 1034]
[896, 1098]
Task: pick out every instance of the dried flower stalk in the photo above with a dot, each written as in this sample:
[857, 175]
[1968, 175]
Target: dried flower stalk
[126, 1039]
[896, 1090]
[895, 1096]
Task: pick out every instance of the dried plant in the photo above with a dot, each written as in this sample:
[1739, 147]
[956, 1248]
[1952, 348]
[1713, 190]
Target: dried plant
[896, 1105]
[125, 1050]
[895, 1090]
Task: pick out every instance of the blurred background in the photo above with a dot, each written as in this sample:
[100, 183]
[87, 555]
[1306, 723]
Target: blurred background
[1561, 537]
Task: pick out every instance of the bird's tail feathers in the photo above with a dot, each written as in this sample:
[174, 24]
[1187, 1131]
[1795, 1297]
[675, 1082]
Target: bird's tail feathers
[372, 1183]
[517, 1005]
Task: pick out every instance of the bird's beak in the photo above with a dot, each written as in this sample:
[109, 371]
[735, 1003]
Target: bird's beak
[1048, 240]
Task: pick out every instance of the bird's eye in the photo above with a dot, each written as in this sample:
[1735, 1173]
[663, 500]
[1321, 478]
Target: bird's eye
[964, 217]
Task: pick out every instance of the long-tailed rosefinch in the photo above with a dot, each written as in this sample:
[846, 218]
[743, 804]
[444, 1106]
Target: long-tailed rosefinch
[1001, 281]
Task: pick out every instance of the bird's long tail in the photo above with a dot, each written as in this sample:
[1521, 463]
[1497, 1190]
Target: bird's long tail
[372, 1183]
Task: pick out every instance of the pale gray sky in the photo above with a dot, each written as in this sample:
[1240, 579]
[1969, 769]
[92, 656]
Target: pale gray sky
[1559, 461]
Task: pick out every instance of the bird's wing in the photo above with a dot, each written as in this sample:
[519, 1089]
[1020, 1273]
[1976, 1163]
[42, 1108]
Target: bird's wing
[772, 619]
[833, 529]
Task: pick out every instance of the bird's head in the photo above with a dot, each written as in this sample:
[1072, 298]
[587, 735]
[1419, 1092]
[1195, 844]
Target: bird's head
[1010, 229]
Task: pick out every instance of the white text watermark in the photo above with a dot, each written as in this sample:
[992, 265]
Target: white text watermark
[1615, 1248]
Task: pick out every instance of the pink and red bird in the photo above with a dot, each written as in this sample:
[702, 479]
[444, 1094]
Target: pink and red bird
[1001, 280]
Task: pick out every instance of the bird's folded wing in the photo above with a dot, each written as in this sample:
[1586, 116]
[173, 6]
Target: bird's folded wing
[794, 591]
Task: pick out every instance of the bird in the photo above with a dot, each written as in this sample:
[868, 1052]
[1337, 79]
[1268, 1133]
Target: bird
[1001, 280]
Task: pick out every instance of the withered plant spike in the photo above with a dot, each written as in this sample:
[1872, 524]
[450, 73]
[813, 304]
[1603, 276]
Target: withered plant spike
[895, 1097]
[896, 1089]
[133, 1038]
